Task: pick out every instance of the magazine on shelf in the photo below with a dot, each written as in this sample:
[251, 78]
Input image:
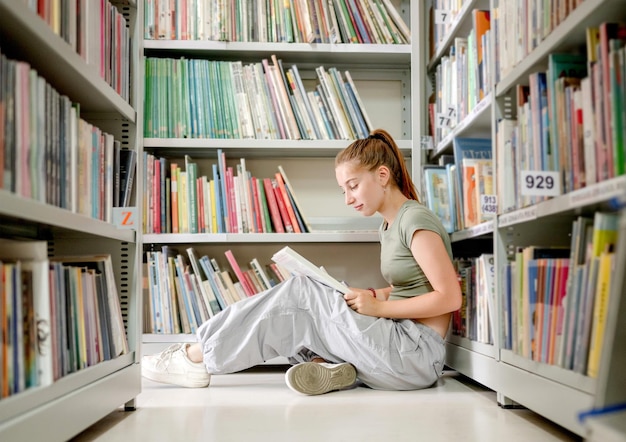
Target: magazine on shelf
[299, 265]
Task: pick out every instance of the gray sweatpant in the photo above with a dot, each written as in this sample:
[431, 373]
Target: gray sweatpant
[300, 317]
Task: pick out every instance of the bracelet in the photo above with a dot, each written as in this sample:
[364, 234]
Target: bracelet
[373, 292]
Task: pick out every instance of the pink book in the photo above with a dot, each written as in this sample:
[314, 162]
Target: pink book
[240, 276]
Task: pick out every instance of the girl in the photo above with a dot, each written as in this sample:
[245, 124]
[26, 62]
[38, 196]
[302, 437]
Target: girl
[388, 338]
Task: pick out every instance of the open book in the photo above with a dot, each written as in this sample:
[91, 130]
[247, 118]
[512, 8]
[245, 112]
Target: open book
[299, 265]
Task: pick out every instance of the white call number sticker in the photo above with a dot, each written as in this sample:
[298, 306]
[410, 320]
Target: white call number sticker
[540, 183]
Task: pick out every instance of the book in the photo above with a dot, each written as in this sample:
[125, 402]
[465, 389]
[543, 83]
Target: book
[438, 195]
[299, 265]
[297, 207]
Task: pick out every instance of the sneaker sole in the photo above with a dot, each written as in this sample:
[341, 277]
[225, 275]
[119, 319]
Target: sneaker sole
[311, 378]
[188, 381]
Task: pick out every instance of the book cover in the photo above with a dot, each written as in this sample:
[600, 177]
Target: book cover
[600, 311]
[273, 206]
[302, 221]
[481, 24]
[299, 265]
[249, 290]
[284, 205]
[437, 195]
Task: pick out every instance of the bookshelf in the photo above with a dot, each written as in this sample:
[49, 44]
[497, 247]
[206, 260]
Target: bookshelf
[384, 75]
[557, 393]
[82, 397]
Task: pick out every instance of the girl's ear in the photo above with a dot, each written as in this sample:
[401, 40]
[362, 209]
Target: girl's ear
[383, 174]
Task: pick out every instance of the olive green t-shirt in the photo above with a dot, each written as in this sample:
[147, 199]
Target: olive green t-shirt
[397, 264]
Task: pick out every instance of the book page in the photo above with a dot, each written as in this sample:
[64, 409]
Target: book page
[299, 265]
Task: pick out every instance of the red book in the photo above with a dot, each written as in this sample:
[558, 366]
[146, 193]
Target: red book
[287, 202]
[240, 275]
[256, 203]
[273, 206]
[174, 196]
[200, 200]
[282, 209]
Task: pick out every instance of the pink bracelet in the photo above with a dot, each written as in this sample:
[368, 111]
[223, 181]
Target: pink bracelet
[373, 291]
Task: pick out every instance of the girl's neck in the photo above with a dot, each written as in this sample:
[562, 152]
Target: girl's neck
[391, 206]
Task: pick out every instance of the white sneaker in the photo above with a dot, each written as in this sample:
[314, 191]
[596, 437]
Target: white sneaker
[172, 366]
[313, 378]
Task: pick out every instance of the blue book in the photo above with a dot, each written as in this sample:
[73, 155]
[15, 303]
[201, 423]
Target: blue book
[207, 267]
[358, 20]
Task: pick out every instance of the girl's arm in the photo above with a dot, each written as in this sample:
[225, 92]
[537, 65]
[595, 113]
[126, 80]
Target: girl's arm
[431, 255]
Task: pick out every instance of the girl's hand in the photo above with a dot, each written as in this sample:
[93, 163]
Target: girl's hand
[361, 301]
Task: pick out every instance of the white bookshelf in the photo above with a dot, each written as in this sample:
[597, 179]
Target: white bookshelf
[384, 77]
[85, 396]
[557, 394]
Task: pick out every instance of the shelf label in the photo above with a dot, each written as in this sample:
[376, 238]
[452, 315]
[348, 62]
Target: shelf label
[489, 205]
[540, 183]
[447, 118]
[442, 16]
[426, 142]
[519, 216]
[125, 217]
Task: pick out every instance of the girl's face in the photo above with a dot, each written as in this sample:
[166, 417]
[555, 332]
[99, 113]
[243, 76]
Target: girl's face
[363, 189]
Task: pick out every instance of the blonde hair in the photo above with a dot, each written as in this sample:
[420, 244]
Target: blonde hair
[380, 149]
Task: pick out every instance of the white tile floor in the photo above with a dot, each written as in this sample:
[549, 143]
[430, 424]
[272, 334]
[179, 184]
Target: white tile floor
[257, 406]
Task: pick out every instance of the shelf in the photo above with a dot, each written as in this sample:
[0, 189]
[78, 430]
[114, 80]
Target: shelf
[556, 401]
[461, 26]
[555, 373]
[588, 199]
[253, 148]
[473, 232]
[569, 35]
[478, 347]
[113, 382]
[55, 60]
[29, 218]
[477, 123]
[477, 366]
[269, 238]
[370, 56]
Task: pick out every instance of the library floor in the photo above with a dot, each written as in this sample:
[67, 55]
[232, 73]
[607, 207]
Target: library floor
[256, 405]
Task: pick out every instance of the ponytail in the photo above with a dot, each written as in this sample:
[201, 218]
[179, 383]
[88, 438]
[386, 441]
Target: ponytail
[380, 149]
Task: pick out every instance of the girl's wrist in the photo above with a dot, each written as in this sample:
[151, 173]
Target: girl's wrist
[373, 291]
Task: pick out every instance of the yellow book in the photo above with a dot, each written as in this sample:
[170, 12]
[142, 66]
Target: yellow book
[213, 207]
[603, 291]
[183, 203]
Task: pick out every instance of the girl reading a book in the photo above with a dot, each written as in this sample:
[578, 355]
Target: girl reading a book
[389, 338]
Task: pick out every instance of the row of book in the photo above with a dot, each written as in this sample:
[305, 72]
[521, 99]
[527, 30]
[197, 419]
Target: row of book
[97, 31]
[556, 299]
[570, 120]
[50, 154]
[221, 99]
[462, 78]
[58, 315]
[184, 290]
[290, 21]
[521, 26]
[462, 192]
[229, 200]
[475, 319]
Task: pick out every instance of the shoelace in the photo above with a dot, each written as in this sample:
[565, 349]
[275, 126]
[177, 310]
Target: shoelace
[164, 358]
